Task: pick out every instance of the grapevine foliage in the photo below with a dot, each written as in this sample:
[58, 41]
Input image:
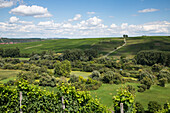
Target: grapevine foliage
[38, 100]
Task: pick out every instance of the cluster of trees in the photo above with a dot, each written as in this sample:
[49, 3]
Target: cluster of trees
[153, 57]
[62, 68]
[11, 52]
[82, 55]
[84, 84]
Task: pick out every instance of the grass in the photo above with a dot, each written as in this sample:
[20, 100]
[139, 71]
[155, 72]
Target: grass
[63, 44]
[136, 44]
[155, 93]
[80, 73]
[6, 75]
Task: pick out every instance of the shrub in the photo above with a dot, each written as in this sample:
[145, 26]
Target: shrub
[156, 67]
[95, 75]
[164, 74]
[142, 88]
[162, 82]
[46, 80]
[146, 81]
[73, 79]
[112, 77]
[139, 108]
[153, 106]
[125, 97]
[62, 68]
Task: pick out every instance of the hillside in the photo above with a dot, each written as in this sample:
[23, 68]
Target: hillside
[136, 44]
[103, 44]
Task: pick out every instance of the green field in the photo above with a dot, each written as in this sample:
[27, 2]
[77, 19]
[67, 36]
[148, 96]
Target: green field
[6, 75]
[155, 93]
[136, 44]
[63, 44]
[80, 73]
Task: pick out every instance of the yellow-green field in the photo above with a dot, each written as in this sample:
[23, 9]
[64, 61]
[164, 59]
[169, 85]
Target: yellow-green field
[6, 75]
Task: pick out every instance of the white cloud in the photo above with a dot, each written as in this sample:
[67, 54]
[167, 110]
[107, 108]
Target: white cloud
[34, 10]
[25, 22]
[13, 19]
[91, 13]
[92, 27]
[76, 18]
[46, 23]
[148, 10]
[113, 25]
[4, 4]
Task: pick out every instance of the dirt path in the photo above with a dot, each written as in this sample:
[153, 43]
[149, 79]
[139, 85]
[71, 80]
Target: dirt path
[33, 46]
[115, 49]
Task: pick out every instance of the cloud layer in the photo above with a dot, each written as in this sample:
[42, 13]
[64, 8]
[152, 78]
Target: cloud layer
[92, 27]
[4, 4]
[34, 10]
[148, 10]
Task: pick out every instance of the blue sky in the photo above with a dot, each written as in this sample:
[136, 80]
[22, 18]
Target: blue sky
[83, 18]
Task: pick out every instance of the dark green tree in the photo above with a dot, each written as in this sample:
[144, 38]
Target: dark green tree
[146, 81]
[153, 106]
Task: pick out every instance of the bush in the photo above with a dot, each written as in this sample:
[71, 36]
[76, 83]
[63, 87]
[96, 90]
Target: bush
[62, 68]
[142, 88]
[112, 77]
[153, 106]
[162, 82]
[73, 79]
[125, 97]
[95, 75]
[156, 67]
[139, 108]
[146, 81]
[46, 80]
[164, 74]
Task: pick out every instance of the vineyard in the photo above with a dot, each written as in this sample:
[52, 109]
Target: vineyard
[82, 78]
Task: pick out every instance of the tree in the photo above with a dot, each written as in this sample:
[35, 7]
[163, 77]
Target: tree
[62, 68]
[1, 51]
[95, 75]
[153, 106]
[162, 82]
[112, 77]
[139, 108]
[147, 81]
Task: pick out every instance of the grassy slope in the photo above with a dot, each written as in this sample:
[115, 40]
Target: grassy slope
[136, 44]
[6, 75]
[63, 44]
[156, 93]
[79, 73]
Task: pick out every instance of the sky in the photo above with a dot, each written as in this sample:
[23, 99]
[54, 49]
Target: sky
[83, 18]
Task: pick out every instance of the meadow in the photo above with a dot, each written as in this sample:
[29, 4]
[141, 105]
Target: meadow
[136, 44]
[59, 45]
[6, 75]
[155, 93]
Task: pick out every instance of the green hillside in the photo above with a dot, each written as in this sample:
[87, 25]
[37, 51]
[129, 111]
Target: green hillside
[104, 44]
[136, 44]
